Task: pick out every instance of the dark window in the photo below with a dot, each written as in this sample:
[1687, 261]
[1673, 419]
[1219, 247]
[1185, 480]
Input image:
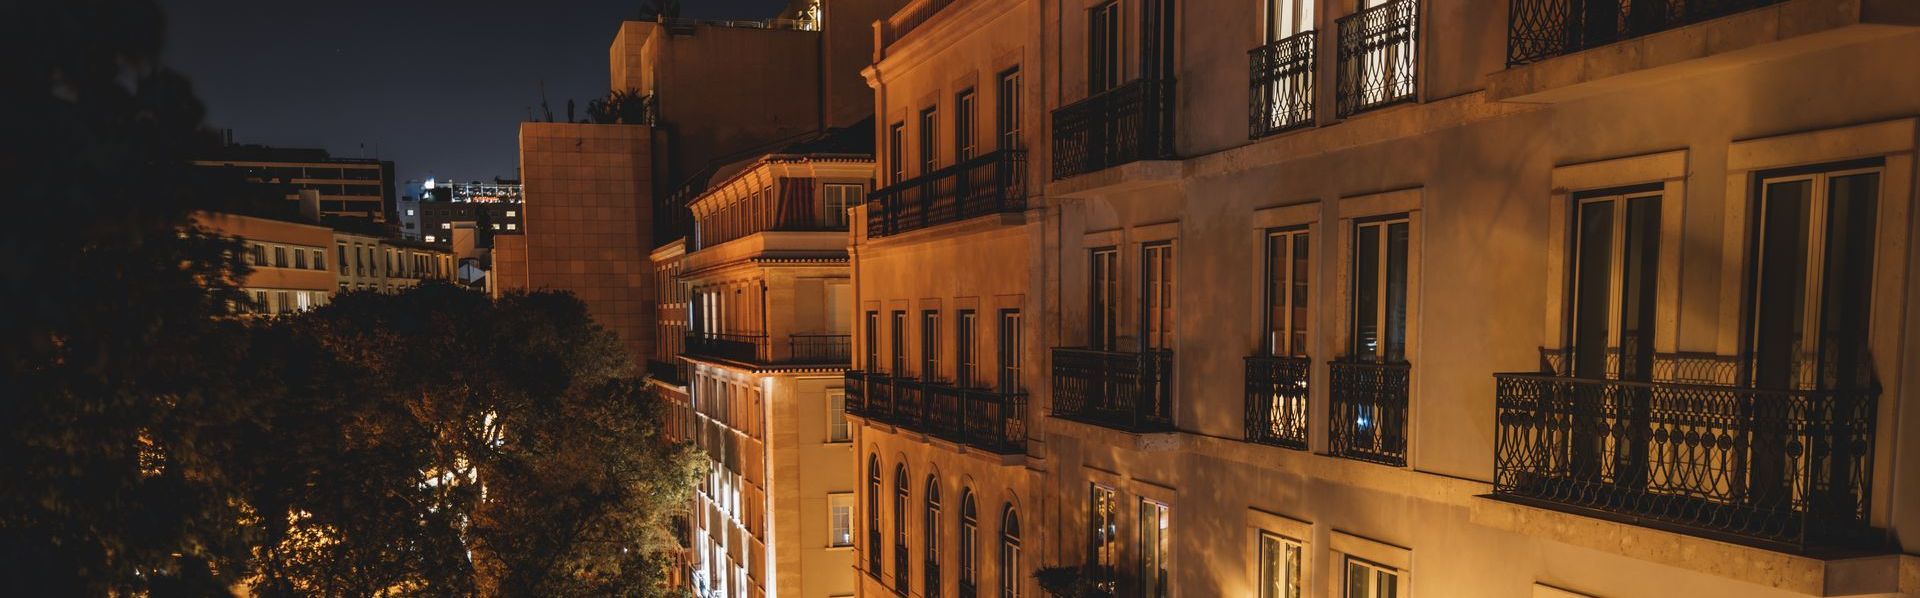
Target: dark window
[964, 368]
[930, 345]
[1105, 297]
[1106, 34]
[1007, 109]
[929, 140]
[896, 153]
[1380, 290]
[1286, 293]
[963, 125]
[1011, 345]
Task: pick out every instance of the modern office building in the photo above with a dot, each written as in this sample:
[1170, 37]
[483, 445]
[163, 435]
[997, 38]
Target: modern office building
[429, 213]
[349, 187]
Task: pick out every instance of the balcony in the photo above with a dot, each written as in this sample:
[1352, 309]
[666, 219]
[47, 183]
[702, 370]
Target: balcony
[986, 419]
[1368, 411]
[1125, 124]
[1542, 29]
[1280, 84]
[1378, 57]
[1277, 401]
[1129, 391]
[757, 349]
[670, 372]
[991, 184]
[1778, 468]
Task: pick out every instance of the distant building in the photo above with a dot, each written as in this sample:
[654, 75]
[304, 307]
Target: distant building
[431, 213]
[368, 258]
[286, 248]
[351, 187]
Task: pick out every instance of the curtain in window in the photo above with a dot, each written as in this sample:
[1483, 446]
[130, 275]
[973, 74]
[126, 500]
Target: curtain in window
[796, 204]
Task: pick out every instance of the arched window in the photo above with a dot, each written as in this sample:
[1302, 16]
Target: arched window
[969, 546]
[873, 516]
[932, 538]
[901, 569]
[1010, 553]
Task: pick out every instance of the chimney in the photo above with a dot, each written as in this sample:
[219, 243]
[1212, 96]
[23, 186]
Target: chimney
[310, 204]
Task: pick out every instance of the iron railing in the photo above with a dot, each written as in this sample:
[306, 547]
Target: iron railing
[671, 372]
[800, 349]
[942, 417]
[986, 419]
[1542, 29]
[902, 571]
[909, 406]
[994, 420]
[1368, 411]
[989, 184]
[1125, 124]
[1130, 391]
[1280, 83]
[1777, 467]
[1379, 57]
[855, 389]
[1277, 400]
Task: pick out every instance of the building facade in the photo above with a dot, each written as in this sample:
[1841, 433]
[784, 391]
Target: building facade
[288, 260]
[349, 187]
[1478, 298]
[494, 207]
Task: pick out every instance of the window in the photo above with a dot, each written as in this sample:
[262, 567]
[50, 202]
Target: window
[512, 226]
[969, 542]
[1106, 35]
[1156, 274]
[446, 226]
[260, 305]
[1281, 559]
[409, 211]
[929, 139]
[873, 515]
[899, 343]
[929, 345]
[1380, 290]
[1286, 293]
[901, 496]
[1010, 573]
[1007, 110]
[430, 238]
[837, 417]
[1155, 547]
[496, 226]
[1369, 580]
[840, 514]
[1813, 279]
[836, 199]
[896, 153]
[1010, 350]
[873, 341]
[256, 255]
[932, 541]
[300, 259]
[1103, 537]
[279, 256]
[283, 302]
[1287, 18]
[1105, 296]
[1616, 261]
[319, 260]
[964, 370]
[963, 126]
[511, 213]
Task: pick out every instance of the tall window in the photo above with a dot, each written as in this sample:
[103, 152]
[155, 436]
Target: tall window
[1287, 293]
[963, 125]
[835, 199]
[930, 345]
[1010, 573]
[280, 257]
[1007, 109]
[873, 341]
[1380, 290]
[300, 259]
[964, 328]
[969, 543]
[1156, 274]
[1616, 264]
[1281, 559]
[896, 153]
[1106, 36]
[1813, 280]
[899, 343]
[901, 495]
[1105, 297]
[932, 541]
[1371, 580]
[840, 513]
[1155, 546]
[929, 139]
[1103, 536]
[1286, 18]
[837, 418]
[1010, 350]
[873, 515]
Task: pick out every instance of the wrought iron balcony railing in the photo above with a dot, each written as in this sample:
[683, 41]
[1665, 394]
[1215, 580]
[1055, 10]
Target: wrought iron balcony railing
[1280, 82]
[986, 419]
[855, 389]
[671, 372]
[1368, 407]
[1776, 467]
[1125, 124]
[1542, 29]
[758, 349]
[1130, 391]
[989, 184]
[1379, 57]
[902, 573]
[1277, 400]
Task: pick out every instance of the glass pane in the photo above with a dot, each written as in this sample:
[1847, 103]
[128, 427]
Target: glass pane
[1396, 313]
[1847, 297]
[1639, 280]
[1276, 295]
[1384, 584]
[1269, 580]
[1591, 280]
[1779, 316]
[1357, 580]
[1366, 292]
[1298, 319]
[1294, 561]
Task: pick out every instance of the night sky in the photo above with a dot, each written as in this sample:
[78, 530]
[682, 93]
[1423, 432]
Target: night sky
[437, 86]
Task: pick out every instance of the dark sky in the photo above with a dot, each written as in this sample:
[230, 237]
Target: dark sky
[437, 86]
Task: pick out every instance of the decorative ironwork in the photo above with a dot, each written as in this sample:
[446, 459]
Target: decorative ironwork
[1379, 57]
[1368, 411]
[1542, 29]
[985, 419]
[855, 388]
[800, 349]
[943, 411]
[880, 396]
[1784, 467]
[746, 348]
[1280, 81]
[994, 421]
[1277, 401]
[989, 184]
[908, 409]
[1123, 390]
[1125, 124]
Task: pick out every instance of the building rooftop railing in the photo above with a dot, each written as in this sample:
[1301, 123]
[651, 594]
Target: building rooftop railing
[910, 17]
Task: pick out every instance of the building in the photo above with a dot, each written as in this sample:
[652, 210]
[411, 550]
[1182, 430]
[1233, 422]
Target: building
[766, 284]
[1397, 298]
[287, 254]
[430, 214]
[349, 187]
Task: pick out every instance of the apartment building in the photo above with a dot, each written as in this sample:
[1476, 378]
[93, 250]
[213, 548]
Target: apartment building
[349, 187]
[948, 271]
[1479, 298]
[287, 257]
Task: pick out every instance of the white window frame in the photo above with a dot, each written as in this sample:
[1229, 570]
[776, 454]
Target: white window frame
[835, 502]
[838, 430]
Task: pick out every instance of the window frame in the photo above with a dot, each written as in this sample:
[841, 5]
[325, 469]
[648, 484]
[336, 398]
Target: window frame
[1293, 336]
[1007, 109]
[1381, 352]
[835, 501]
[965, 119]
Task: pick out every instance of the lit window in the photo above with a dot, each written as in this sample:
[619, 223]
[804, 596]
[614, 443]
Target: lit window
[841, 524]
[1369, 580]
[446, 225]
[496, 227]
[511, 213]
[512, 226]
[1155, 545]
[837, 418]
[409, 211]
[1281, 560]
[430, 238]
